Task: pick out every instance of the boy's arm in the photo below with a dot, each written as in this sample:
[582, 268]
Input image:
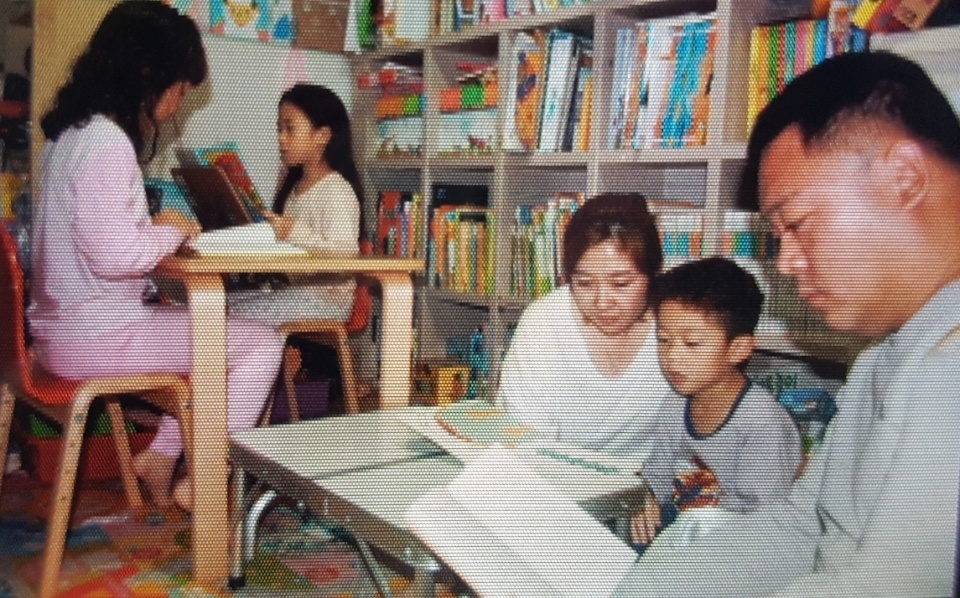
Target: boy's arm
[768, 460]
[659, 468]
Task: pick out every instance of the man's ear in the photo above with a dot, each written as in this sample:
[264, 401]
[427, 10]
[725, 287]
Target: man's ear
[907, 163]
[741, 348]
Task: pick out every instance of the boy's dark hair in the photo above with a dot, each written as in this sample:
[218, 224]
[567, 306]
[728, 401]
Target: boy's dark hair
[825, 101]
[716, 286]
[140, 50]
[622, 217]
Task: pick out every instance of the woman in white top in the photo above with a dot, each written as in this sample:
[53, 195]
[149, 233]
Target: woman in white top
[317, 207]
[582, 365]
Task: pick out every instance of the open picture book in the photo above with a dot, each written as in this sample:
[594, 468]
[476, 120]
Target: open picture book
[247, 239]
[508, 532]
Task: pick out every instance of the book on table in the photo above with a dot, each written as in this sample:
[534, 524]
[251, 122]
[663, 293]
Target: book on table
[506, 531]
[245, 240]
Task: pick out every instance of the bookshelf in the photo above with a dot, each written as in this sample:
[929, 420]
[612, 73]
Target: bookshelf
[705, 177]
[936, 49]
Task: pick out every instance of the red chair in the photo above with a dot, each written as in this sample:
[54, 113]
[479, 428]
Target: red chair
[336, 334]
[68, 402]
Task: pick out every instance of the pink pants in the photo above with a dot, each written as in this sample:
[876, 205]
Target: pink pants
[161, 344]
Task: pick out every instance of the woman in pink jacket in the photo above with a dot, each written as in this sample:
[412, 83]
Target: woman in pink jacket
[94, 242]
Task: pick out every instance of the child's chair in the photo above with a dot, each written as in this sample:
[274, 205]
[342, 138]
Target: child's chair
[67, 402]
[336, 334]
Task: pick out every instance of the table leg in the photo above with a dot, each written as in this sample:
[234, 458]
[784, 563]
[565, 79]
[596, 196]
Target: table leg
[396, 338]
[424, 579]
[209, 469]
[238, 515]
[372, 566]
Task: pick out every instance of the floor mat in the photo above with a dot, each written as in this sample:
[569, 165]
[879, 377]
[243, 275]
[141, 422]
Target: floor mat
[112, 554]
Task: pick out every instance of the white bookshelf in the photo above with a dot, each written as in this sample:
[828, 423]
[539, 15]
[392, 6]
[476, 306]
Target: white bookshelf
[706, 175]
[937, 50]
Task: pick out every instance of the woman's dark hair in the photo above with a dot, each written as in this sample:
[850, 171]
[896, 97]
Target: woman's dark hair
[139, 51]
[850, 88]
[619, 217]
[324, 109]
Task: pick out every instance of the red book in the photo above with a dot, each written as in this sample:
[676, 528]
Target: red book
[388, 222]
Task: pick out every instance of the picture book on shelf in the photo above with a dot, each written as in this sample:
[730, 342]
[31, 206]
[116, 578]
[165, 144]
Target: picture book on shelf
[530, 57]
[399, 223]
[506, 531]
[560, 69]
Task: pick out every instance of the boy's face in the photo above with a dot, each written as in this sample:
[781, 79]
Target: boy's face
[695, 353]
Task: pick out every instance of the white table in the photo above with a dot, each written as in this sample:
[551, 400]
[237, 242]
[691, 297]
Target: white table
[362, 472]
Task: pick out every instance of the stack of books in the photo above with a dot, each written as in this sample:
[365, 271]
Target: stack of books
[779, 53]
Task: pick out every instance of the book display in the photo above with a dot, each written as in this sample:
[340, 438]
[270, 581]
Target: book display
[513, 102]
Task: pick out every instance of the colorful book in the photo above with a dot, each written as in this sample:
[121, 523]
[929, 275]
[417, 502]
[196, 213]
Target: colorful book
[658, 76]
[578, 103]
[864, 12]
[389, 223]
[530, 66]
[227, 158]
[624, 52]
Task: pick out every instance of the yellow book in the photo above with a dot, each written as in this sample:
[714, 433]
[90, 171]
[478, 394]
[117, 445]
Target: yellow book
[865, 12]
[452, 383]
[583, 142]
[757, 86]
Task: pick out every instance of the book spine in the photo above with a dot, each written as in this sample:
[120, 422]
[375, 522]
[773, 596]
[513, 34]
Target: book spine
[624, 49]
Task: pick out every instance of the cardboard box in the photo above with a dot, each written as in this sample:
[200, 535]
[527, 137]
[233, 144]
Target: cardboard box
[440, 384]
[321, 24]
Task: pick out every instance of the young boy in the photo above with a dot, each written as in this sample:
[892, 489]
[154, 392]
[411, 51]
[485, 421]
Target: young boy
[743, 447]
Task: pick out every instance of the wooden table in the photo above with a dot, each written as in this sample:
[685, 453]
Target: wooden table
[203, 278]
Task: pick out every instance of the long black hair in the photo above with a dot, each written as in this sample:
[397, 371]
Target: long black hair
[140, 50]
[324, 109]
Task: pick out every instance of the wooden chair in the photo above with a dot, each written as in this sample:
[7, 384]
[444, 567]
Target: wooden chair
[68, 402]
[332, 333]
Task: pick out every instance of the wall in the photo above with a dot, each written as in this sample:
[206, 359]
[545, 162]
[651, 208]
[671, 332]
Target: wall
[61, 31]
[238, 102]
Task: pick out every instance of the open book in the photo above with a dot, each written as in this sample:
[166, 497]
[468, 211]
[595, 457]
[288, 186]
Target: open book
[507, 532]
[247, 239]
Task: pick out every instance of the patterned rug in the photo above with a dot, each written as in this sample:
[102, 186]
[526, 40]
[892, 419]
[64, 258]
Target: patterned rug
[112, 554]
